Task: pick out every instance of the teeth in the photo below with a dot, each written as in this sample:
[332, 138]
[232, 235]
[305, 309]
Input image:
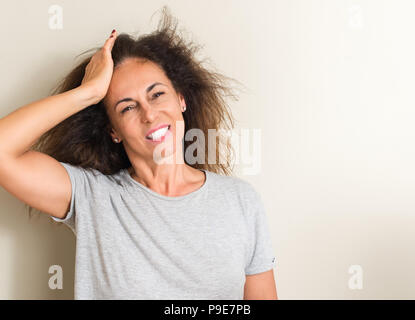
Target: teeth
[156, 135]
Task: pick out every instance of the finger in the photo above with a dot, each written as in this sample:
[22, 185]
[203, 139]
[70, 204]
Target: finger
[109, 43]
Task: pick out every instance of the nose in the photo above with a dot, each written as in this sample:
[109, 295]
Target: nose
[148, 113]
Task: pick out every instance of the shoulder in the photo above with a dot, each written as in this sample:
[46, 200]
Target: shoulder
[91, 176]
[233, 183]
[240, 189]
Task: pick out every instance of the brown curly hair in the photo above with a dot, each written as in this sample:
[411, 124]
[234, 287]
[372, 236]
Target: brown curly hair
[83, 139]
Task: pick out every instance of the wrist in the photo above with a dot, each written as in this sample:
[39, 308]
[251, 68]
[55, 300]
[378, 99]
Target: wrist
[86, 96]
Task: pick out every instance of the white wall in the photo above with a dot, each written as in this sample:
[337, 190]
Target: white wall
[330, 88]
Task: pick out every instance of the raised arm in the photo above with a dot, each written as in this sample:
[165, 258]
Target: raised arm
[34, 177]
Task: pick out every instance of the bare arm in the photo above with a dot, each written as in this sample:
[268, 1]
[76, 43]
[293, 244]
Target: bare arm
[260, 286]
[21, 128]
[34, 177]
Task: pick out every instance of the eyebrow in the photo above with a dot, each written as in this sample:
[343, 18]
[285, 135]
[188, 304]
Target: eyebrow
[131, 99]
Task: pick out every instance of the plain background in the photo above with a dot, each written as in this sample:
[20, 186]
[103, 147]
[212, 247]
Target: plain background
[331, 90]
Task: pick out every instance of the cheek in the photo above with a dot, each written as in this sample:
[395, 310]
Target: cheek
[131, 130]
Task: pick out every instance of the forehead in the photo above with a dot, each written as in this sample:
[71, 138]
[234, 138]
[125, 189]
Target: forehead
[134, 75]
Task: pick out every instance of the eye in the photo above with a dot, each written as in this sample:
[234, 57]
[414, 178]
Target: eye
[156, 94]
[125, 109]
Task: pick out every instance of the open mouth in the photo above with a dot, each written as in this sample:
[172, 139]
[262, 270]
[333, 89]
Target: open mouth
[158, 135]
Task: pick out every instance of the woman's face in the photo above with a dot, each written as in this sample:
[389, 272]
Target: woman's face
[141, 98]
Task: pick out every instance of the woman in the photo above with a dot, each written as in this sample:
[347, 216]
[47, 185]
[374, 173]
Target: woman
[94, 156]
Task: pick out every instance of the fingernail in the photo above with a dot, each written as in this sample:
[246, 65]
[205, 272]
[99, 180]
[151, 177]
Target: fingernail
[113, 31]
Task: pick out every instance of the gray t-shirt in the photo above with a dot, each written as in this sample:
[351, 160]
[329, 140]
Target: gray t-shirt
[134, 243]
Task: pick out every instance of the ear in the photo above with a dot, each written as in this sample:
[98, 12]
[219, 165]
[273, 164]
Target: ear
[112, 133]
[181, 100]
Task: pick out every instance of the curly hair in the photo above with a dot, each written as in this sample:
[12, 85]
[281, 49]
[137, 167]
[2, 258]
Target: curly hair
[84, 140]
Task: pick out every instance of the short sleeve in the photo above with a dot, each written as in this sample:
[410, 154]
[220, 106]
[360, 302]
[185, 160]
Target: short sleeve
[261, 257]
[77, 177]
